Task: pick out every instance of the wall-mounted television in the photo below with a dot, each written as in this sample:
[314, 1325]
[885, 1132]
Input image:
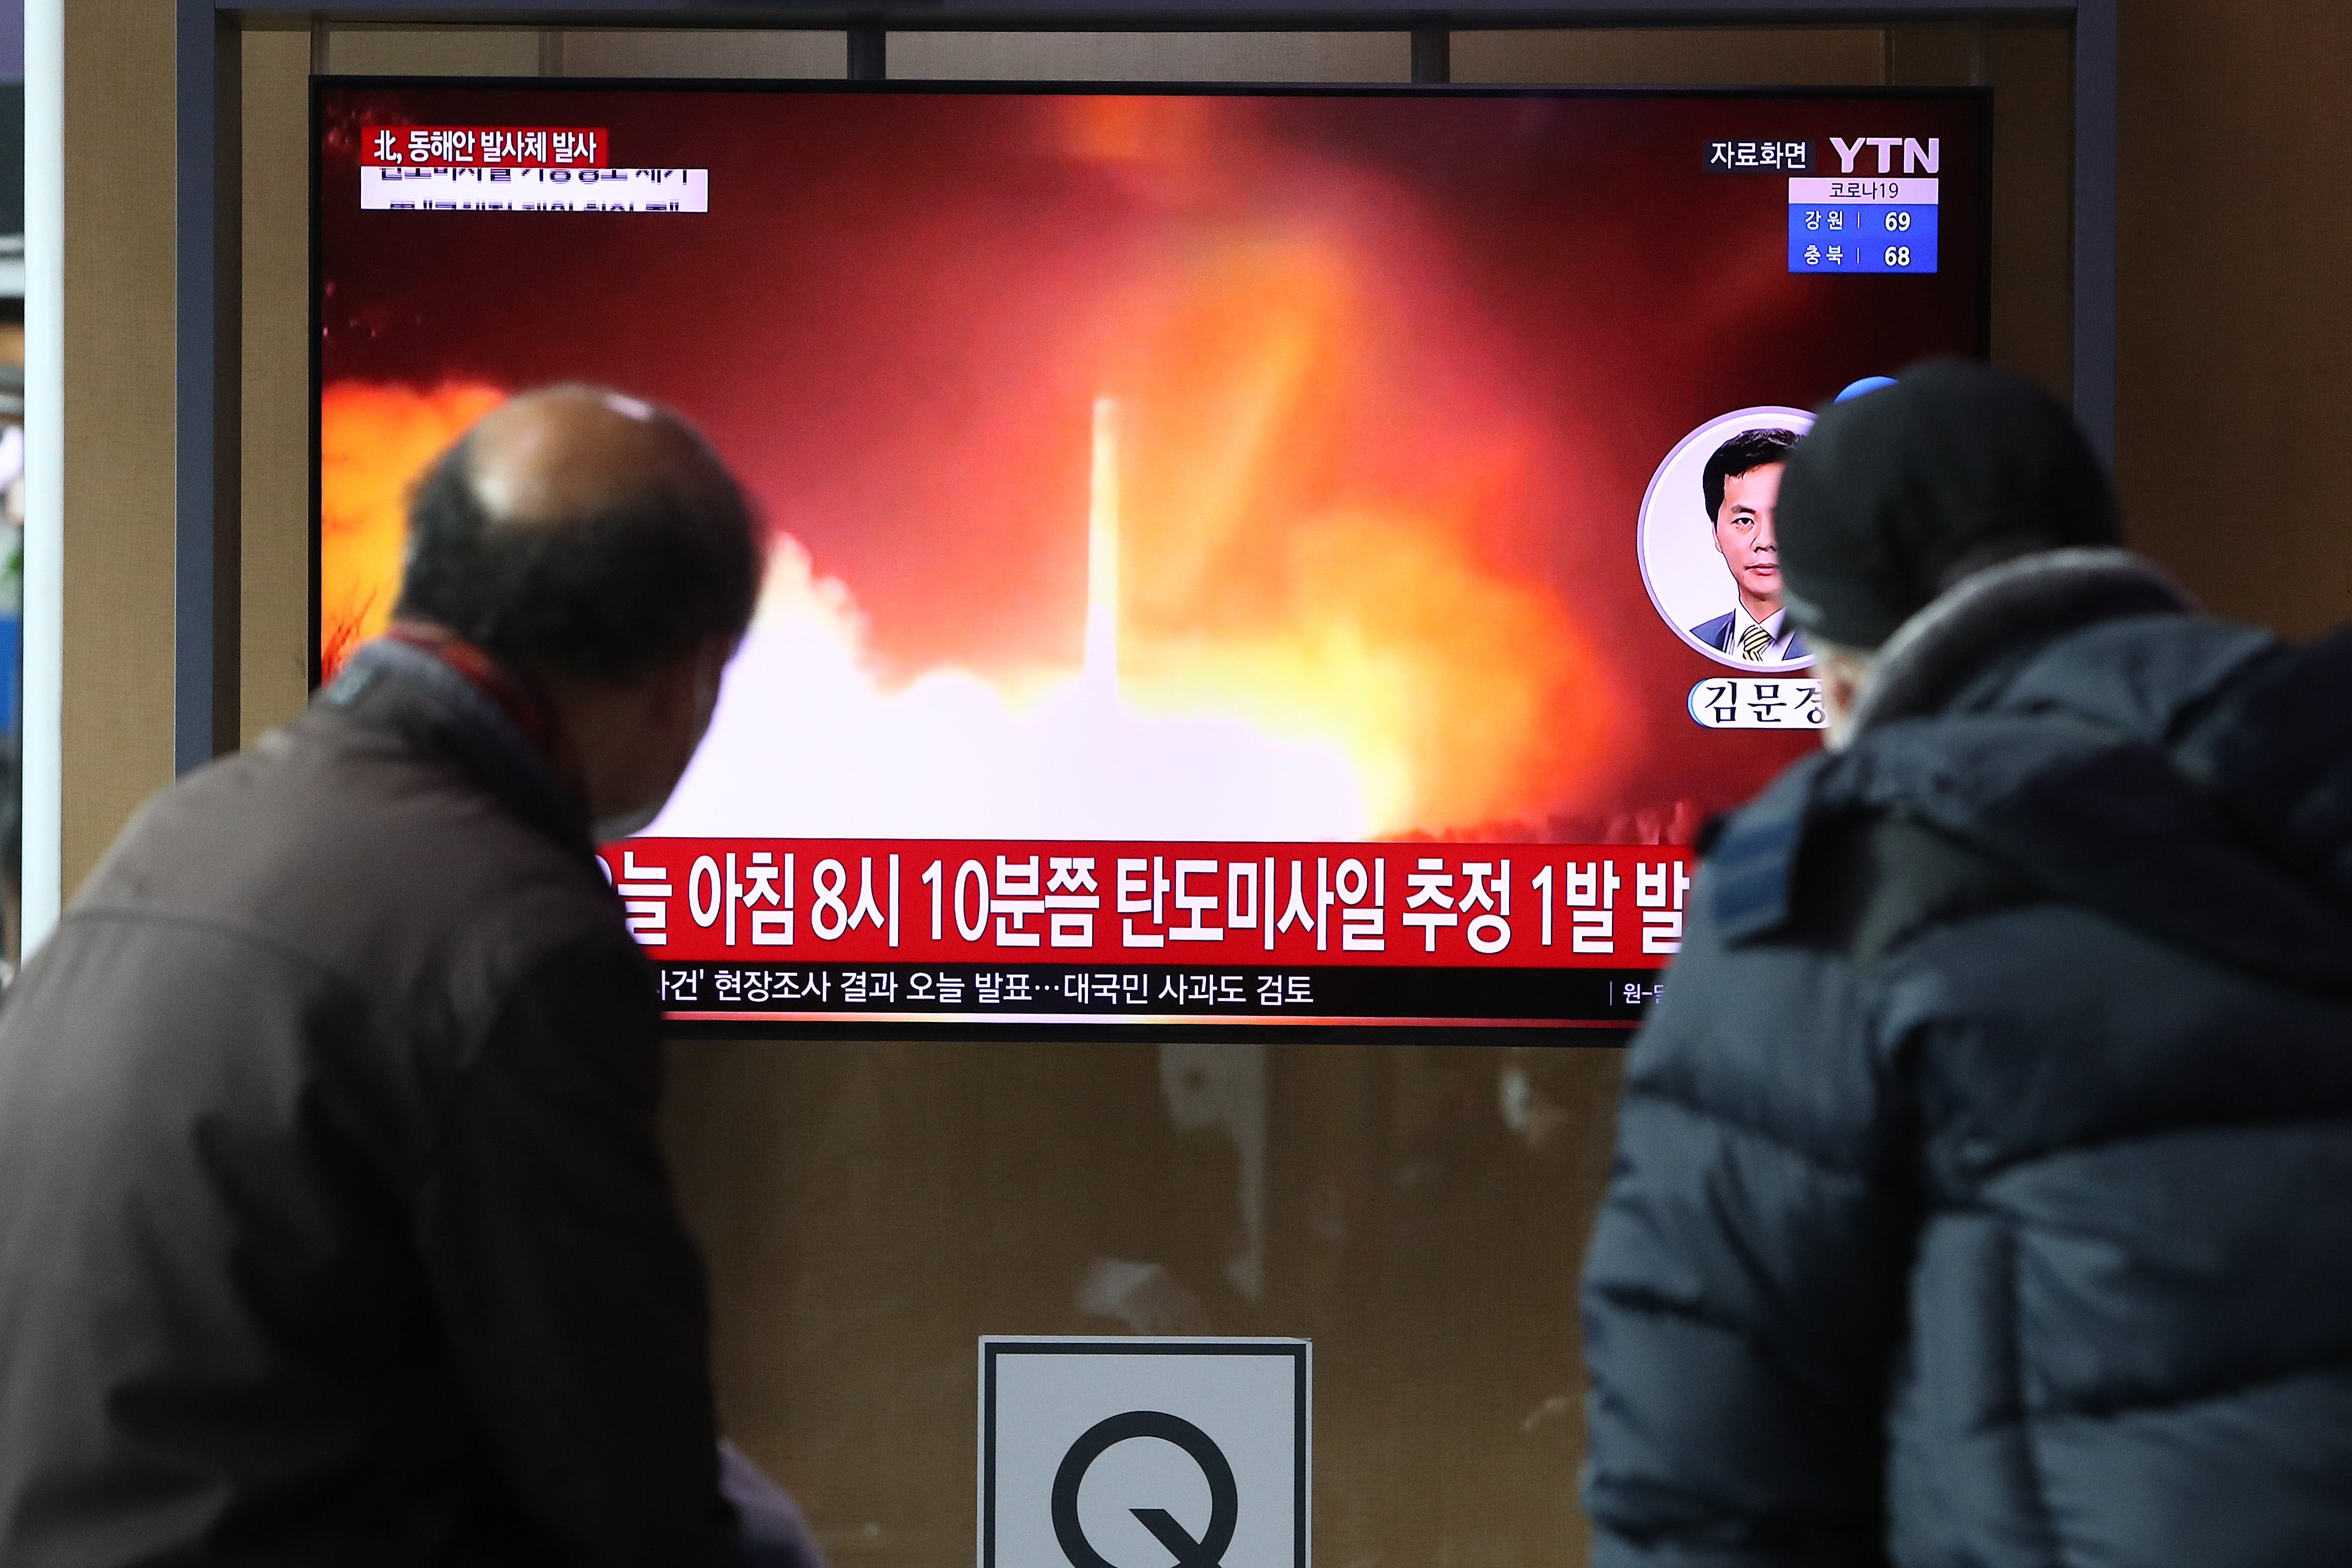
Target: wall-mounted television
[1282, 555]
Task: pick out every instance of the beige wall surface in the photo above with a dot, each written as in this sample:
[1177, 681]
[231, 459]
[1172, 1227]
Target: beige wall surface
[1151, 57]
[850, 1192]
[647, 52]
[584, 52]
[1633, 56]
[118, 360]
[434, 51]
[870, 1209]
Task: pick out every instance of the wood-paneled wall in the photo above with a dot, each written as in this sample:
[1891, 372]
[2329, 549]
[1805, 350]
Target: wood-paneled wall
[2235, 245]
[118, 357]
[2234, 136]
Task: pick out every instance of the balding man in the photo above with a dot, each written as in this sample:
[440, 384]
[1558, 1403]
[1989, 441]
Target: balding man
[333, 1229]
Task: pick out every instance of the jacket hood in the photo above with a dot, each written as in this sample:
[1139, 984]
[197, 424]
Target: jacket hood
[2069, 716]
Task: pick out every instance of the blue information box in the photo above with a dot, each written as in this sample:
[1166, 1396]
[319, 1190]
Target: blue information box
[1856, 236]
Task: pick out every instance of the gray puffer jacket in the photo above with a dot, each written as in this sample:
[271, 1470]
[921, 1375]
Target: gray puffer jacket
[1984, 1184]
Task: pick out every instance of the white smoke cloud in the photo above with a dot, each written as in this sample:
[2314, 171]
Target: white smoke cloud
[807, 743]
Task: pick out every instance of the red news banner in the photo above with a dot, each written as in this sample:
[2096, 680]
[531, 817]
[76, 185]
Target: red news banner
[1328, 931]
[484, 147]
[1432, 905]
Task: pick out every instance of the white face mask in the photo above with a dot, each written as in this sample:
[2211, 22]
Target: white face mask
[627, 824]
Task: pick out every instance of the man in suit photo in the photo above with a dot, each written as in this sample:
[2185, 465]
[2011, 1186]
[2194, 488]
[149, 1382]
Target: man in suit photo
[1742, 482]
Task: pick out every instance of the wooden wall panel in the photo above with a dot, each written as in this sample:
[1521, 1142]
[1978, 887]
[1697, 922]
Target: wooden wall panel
[869, 1209]
[434, 51]
[2032, 73]
[2235, 241]
[1151, 57]
[1643, 57]
[650, 52]
[119, 411]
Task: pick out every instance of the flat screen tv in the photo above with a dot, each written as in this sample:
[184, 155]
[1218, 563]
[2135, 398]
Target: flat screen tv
[1292, 556]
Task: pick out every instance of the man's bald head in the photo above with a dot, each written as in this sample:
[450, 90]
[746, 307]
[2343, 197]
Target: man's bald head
[583, 531]
[563, 453]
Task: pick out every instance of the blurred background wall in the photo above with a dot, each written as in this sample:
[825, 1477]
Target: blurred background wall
[869, 1206]
[2233, 240]
[2236, 320]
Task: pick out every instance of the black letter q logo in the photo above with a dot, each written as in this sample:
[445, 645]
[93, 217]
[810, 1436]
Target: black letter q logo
[1225, 1505]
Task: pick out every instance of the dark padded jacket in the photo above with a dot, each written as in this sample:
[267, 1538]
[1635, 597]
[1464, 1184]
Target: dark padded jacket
[1984, 1181]
[333, 1225]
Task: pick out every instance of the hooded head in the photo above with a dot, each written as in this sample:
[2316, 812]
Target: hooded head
[1896, 495]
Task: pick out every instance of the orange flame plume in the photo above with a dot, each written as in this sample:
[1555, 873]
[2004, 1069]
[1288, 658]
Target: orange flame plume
[374, 443]
[1270, 585]
[1316, 598]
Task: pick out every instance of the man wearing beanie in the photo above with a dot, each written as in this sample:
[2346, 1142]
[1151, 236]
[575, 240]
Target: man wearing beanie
[1980, 1186]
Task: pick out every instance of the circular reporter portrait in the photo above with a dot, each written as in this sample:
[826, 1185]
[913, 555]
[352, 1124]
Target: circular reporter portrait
[1709, 556]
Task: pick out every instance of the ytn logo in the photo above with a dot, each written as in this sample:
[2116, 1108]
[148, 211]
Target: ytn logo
[1917, 159]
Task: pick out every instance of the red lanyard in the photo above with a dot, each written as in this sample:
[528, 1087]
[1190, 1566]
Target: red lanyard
[514, 696]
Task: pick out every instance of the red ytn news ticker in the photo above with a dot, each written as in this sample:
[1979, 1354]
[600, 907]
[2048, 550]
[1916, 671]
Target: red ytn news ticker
[484, 147]
[943, 900]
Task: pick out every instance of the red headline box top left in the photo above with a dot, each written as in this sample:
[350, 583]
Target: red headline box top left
[484, 147]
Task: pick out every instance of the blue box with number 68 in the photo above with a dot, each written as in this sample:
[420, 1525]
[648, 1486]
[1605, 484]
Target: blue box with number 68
[1862, 225]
